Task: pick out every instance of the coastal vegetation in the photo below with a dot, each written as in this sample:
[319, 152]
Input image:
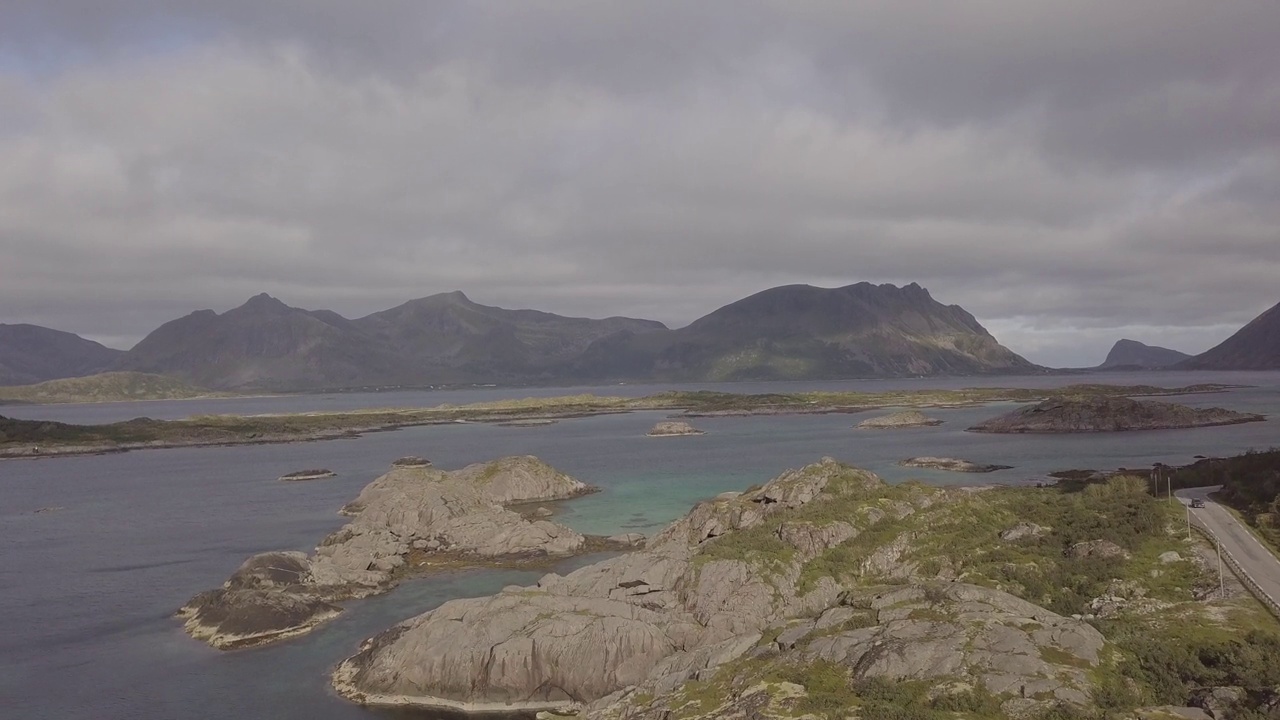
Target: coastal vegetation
[1169, 640]
[21, 438]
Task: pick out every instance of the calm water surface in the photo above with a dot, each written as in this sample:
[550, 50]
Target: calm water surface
[87, 590]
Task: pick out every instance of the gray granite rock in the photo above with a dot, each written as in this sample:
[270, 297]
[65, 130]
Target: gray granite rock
[414, 507]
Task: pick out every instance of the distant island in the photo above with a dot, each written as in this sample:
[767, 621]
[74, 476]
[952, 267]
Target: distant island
[37, 438]
[1108, 414]
[951, 465]
[1133, 355]
[904, 419]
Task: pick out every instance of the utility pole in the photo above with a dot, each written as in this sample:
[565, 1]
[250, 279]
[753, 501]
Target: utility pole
[1188, 523]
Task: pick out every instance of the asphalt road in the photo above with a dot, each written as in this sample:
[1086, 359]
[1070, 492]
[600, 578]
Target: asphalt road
[1237, 541]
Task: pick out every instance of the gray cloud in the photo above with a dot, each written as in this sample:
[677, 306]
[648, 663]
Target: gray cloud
[1068, 172]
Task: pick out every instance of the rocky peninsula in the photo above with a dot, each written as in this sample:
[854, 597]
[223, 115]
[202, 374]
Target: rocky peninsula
[823, 589]
[673, 428]
[1090, 414]
[827, 589]
[904, 419]
[951, 465]
[413, 518]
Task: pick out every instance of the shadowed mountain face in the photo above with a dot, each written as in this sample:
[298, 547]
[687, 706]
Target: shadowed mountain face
[262, 344]
[1131, 353]
[32, 354]
[793, 332]
[803, 332]
[1255, 346]
[439, 339]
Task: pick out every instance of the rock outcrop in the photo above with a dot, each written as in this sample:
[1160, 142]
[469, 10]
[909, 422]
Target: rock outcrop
[622, 637]
[1108, 414]
[1022, 531]
[314, 474]
[904, 419]
[1097, 549]
[674, 428]
[951, 465]
[412, 512]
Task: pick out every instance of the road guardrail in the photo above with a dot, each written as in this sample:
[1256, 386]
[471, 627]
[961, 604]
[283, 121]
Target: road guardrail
[1252, 585]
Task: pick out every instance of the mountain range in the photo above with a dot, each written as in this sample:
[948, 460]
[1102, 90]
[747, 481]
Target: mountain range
[443, 338]
[790, 332]
[794, 332]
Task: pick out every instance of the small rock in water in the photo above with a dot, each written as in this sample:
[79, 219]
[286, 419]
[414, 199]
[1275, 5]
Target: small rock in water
[951, 464]
[671, 428]
[905, 419]
[315, 474]
[411, 461]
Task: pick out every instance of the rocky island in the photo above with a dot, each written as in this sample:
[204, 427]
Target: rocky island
[671, 428]
[951, 465]
[315, 474]
[1086, 414]
[904, 419]
[411, 519]
[826, 590]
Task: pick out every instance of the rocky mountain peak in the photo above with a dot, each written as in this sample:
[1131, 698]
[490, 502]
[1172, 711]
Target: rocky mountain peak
[262, 302]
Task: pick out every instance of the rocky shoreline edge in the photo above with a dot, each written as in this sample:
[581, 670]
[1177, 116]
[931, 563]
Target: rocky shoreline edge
[415, 519]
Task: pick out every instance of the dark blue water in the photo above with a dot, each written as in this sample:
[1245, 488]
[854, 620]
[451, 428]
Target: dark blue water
[86, 591]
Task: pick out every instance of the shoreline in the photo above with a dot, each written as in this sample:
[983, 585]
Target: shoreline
[35, 439]
[341, 681]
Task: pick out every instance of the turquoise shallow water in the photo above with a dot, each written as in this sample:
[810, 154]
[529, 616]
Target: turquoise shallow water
[86, 592]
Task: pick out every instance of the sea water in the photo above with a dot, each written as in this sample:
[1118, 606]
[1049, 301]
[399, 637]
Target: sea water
[88, 585]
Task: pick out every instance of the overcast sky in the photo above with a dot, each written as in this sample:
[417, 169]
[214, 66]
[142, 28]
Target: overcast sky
[1069, 172]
